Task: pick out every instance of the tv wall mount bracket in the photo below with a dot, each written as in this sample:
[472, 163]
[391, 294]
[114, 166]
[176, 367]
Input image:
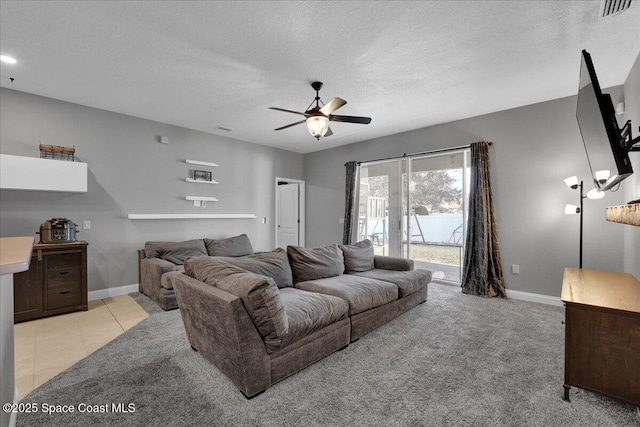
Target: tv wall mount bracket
[626, 139]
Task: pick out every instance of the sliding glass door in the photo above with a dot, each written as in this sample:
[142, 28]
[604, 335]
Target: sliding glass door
[415, 207]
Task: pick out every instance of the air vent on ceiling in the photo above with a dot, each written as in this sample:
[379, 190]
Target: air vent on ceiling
[614, 7]
[224, 129]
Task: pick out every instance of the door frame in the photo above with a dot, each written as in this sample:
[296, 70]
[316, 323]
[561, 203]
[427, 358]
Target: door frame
[301, 208]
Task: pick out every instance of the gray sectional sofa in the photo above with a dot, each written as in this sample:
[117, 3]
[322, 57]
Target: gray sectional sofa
[262, 317]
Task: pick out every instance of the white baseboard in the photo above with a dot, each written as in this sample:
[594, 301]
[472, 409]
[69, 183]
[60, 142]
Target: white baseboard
[112, 292]
[520, 295]
[531, 297]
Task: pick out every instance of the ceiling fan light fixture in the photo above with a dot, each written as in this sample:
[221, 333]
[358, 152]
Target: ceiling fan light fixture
[317, 126]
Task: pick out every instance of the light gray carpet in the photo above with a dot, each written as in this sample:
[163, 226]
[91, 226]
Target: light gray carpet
[457, 360]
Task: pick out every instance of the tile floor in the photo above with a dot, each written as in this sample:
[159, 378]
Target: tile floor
[46, 347]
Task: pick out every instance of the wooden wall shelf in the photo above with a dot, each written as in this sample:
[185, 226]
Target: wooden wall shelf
[200, 182]
[202, 198]
[191, 216]
[33, 173]
[625, 214]
[201, 163]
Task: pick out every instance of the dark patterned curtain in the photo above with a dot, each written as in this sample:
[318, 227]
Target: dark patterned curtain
[349, 202]
[482, 274]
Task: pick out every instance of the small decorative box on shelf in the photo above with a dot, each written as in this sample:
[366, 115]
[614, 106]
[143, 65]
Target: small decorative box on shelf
[625, 214]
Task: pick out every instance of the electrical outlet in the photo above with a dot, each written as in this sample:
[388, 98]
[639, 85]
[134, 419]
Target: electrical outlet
[204, 204]
[264, 220]
[197, 203]
[340, 220]
[86, 224]
[515, 268]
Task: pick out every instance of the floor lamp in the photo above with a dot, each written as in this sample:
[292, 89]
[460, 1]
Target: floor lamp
[573, 183]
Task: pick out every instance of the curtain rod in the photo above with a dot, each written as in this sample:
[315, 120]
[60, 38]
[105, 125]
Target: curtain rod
[443, 150]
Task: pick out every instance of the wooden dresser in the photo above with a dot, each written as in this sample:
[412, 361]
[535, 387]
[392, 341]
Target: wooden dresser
[602, 335]
[55, 283]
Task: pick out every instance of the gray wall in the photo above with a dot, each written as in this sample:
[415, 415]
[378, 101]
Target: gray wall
[535, 148]
[130, 172]
[632, 184]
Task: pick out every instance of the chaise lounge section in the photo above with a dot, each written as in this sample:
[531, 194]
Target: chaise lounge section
[158, 259]
[263, 317]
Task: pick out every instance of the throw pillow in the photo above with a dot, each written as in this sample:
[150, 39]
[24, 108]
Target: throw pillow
[274, 264]
[175, 252]
[259, 294]
[317, 263]
[232, 246]
[358, 257]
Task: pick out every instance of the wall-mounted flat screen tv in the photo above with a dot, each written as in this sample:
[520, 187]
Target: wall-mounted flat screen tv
[603, 141]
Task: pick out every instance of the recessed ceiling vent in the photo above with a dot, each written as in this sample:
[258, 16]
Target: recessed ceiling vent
[614, 7]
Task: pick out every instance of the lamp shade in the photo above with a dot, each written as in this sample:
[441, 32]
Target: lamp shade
[572, 181]
[571, 209]
[595, 194]
[317, 125]
[602, 176]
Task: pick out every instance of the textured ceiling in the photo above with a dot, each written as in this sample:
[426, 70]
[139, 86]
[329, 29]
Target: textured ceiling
[407, 65]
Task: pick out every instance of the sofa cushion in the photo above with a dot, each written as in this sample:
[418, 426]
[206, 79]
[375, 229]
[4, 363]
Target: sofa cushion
[358, 257]
[175, 252]
[308, 312]
[166, 280]
[407, 282]
[259, 294]
[393, 263]
[362, 293]
[232, 246]
[274, 264]
[317, 263]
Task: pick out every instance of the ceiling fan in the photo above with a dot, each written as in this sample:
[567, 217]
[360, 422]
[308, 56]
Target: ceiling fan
[318, 117]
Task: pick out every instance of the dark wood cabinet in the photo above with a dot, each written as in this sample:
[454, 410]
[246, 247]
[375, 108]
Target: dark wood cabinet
[602, 335]
[55, 283]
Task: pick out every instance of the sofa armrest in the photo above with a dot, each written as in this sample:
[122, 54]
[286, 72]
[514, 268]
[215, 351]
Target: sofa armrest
[219, 327]
[151, 271]
[141, 255]
[393, 263]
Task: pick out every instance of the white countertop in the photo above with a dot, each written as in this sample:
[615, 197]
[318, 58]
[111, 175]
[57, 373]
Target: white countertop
[15, 254]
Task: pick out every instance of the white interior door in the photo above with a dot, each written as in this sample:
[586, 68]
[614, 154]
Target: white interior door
[288, 215]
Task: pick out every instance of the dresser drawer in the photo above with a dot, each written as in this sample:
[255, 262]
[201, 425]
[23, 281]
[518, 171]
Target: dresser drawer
[63, 278]
[61, 297]
[64, 261]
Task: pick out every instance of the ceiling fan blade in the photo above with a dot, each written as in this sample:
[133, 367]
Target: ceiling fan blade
[332, 106]
[329, 133]
[289, 111]
[292, 124]
[350, 119]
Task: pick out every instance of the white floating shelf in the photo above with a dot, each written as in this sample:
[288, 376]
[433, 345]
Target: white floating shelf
[206, 199]
[191, 216]
[200, 181]
[201, 163]
[34, 173]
